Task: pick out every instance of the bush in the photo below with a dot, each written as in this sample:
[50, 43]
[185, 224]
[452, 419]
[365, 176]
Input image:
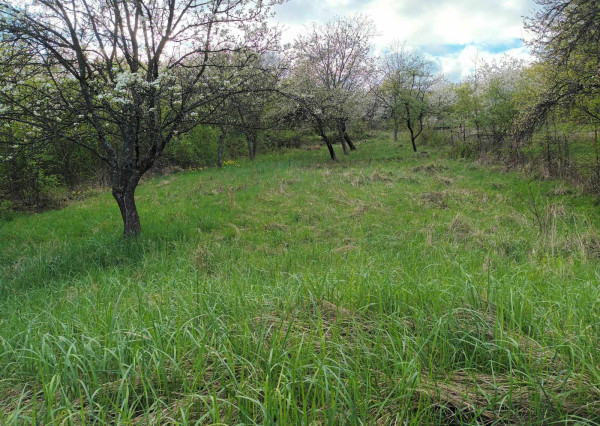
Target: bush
[6, 210]
[197, 148]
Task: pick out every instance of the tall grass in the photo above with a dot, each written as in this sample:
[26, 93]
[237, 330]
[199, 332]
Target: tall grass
[386, 288]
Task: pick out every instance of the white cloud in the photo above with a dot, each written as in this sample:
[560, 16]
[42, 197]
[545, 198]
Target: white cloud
[451, 31]
[458, 66]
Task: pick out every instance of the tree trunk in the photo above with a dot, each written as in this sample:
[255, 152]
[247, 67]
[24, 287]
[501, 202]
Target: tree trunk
[321, 131]
[349, 142]
[125, 198]
[347, 138]
[221, 146]
[409, 125]
[414, 145]
[395, 133]
[413, 137]
[254, 145]
[329, 147]
[342, 139]
[251, 142]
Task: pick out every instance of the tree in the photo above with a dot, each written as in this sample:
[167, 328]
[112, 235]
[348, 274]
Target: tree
[253, 76]
[137, 73]
[566, 37]
[464, 108]
[331, 70]
[407, 79]
[252, 108]
[497, 108]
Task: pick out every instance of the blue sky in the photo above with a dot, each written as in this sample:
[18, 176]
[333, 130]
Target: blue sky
[452, 32]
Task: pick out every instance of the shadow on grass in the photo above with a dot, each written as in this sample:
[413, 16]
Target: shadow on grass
[68, 260]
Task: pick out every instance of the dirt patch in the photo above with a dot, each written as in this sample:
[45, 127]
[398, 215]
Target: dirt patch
[446, 180]
[436, 200]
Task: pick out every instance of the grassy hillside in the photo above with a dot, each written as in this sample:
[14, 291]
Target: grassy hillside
[385, 288]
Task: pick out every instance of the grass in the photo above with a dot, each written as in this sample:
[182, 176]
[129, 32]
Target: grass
[385, 288]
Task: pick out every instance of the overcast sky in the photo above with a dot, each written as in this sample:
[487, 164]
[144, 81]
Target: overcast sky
[453, 32]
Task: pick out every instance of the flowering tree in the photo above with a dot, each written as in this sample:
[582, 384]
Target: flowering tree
[252, 109]
[123, 77]
[331, 72]
[407, 79]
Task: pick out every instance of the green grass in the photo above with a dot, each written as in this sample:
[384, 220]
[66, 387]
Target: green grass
[386, 288]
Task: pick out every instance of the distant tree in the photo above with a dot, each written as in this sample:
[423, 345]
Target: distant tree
[254, 77]
[496, 102]
[330, 74]
[442, 99]
[253, 107]
[136, 73]
[407, 79]
[464, 108]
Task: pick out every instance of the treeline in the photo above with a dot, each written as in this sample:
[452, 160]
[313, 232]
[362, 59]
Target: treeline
[104, 93]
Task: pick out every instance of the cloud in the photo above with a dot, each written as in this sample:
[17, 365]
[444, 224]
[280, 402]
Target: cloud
[459, 65]
[448, 30]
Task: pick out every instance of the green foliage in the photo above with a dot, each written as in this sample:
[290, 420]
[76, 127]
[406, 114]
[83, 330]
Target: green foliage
[198, 148]
[6, 210]
[384, 288]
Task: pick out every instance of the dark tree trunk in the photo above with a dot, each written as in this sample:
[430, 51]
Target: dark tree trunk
[349, 141]
[329, 147]
[342, 139]
[221, 146]
[413, 136]
[347, 138]
[395, 133]
[124, 194]
[321, 131]
[409, 123]
[251, 142]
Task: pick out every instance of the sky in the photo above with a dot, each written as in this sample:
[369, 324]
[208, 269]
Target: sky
[452, 32]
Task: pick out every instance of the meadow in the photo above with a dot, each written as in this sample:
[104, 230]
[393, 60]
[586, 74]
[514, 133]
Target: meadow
[385, 288]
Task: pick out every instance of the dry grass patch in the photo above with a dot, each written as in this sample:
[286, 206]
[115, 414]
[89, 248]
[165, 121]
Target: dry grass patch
[461, 230]
[467, 396]
[446, 180]
[429, 169]
[436, 200]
